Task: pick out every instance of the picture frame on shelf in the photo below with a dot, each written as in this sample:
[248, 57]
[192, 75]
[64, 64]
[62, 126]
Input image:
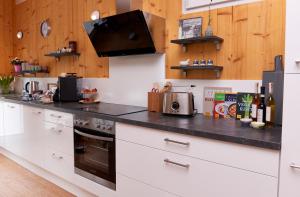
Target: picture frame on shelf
[190, 28]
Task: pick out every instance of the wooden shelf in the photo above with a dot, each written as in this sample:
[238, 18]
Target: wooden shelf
[213, 39]
[23, 73]
[185, 69]
[63, 54]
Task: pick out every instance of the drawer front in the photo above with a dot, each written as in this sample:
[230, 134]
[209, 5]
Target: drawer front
[59, 164]
[59, 118]
[33, 113]
[127, 187]
[190, 177]
[240, 156]
[59, 137]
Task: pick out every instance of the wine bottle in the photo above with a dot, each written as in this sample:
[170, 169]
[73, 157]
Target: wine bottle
[255, 103]
[271, 107]
[261, 108]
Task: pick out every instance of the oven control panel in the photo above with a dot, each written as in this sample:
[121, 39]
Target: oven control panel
[97, 124]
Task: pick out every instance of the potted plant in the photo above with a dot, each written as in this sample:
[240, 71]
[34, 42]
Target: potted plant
[16, 62]
[5, 82]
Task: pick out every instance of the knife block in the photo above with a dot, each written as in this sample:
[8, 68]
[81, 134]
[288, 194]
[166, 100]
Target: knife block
[155, 101]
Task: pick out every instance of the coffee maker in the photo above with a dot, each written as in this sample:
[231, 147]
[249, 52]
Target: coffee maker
[68, 89]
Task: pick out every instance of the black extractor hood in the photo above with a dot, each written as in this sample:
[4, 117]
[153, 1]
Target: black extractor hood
[128, 33]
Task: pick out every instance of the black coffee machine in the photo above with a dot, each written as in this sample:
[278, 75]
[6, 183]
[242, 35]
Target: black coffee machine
[68, 89]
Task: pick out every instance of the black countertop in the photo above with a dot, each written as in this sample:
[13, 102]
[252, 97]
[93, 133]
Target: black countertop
[228, 130]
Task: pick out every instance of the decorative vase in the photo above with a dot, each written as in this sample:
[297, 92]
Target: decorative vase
[18, 68]
[5, 89]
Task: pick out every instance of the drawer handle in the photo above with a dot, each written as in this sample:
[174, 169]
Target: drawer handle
[57, 131]
[54, 156]
[294, 166]
[37, 113]
[55, 116]
[12, 107]
[177, 142]
[177, 164]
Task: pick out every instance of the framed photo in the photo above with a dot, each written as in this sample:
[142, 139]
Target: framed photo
[190, 28]
[52, 86]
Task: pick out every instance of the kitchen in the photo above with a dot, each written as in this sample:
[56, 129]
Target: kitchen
[149, 98]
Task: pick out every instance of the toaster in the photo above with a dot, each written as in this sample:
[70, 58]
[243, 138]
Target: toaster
[179, 103]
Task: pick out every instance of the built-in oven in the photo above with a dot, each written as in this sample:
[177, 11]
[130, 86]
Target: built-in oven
[94, 150]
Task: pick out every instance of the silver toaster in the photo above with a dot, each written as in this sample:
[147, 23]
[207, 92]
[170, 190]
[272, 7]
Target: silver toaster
[179, 103]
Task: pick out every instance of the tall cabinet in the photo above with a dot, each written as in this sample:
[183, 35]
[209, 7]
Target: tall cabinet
[290, 154]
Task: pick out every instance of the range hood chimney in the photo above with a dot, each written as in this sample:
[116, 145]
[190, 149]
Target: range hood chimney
[130, 32]
[123, 6]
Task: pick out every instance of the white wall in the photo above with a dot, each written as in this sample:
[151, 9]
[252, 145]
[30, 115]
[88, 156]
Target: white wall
[133, 76]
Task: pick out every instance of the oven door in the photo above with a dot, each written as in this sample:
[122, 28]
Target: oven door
[94, 154]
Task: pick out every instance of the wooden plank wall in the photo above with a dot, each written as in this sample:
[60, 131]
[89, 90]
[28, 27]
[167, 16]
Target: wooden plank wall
[66, 18]
[6, 39]
[253, 34]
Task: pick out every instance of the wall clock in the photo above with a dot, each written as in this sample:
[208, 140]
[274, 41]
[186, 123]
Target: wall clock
[45, 28]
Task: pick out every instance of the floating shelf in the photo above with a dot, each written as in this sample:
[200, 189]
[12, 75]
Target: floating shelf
[185, 69]
[62, 54]
[213, 39]
[23, 73]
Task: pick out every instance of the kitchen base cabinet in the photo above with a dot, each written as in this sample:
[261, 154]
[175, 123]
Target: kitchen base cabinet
[60, 164]
[1, 123]
[290, 158]
[13, 127]
[127, 187]
[190, 177]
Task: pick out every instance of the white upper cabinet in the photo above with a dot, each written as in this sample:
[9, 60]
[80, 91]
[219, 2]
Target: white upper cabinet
[292, 41]
[290, 157]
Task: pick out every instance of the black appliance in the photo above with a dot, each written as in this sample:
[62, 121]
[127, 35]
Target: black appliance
[68, 89]
[94, 150]
[277, 78]
[94, 142]
[128, 33]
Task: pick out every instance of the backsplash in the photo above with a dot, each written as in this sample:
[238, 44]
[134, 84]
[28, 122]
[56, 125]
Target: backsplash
[132, 77]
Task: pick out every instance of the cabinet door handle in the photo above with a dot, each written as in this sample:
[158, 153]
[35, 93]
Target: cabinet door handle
[294, 166]
[177, 164]
[176, 142]
[54, 156]
[55, 116]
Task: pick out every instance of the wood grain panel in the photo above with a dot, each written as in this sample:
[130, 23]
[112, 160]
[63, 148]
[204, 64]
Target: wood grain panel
[66, 18]
[6, 39]
[253, 34]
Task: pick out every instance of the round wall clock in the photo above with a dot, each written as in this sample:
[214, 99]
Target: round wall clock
[45, 28]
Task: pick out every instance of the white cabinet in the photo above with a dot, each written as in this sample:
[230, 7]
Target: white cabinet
[13, 127]
[127, 187]
[292, 41]
[34, 135]
[289, 176]
[201, 168]
[13, 118]
[190, 177]
[1, 123]
[250, 158]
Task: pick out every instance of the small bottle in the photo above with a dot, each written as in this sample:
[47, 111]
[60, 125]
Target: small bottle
[255, 103]
[261, 108]
[271, 107]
